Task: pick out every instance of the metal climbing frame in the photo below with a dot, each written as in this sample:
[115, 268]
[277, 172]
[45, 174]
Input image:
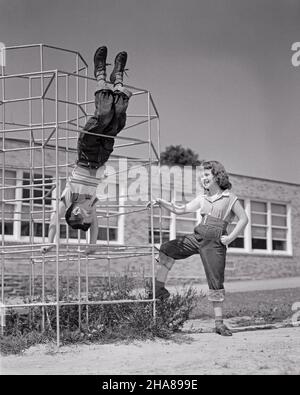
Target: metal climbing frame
[43, 108]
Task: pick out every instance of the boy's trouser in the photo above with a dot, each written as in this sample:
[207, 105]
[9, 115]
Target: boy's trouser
[109, 119]
[204, 241]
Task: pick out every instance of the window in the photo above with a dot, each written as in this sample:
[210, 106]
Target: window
[279, 227]
[108, 213]
[185, 223]
[36, 205]
[168, 226]
[161, 220]
[26, 205]
[259, 225]
[268, 230]
[8, 204]
[239, 242]
[161, 225]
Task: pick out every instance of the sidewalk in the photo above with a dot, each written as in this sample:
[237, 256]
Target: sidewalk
[251, 285]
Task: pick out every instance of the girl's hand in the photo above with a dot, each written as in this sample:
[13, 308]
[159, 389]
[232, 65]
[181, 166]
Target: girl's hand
[226, 240]
[46, 249]
[154, 203]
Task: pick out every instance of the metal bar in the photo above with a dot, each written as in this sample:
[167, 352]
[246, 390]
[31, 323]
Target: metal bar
[82, 303]
[2, 192]
[57, 217]
[48, 86]
[67, 50]
[43, 174]
[79, 239]
[31, 192]
[22, 46]
[9, 101]
[151, 207]
[33, 73]
[109, 250]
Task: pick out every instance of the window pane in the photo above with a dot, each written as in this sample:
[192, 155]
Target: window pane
[258, 232]
[8, 211]
[279, 245]
[164, 222]
[279, 234]
[111, 221]
[41, 229]
[25, 213]
[165, 237]
[231, 227]
[102, 234]
[25, 229]
[279, 221]
[260, 207]
[237, 243]
[259, 244]
[279, 209]
[40, 190]
[10, 179]
[73, 233]
[8, 228]
[259, 219]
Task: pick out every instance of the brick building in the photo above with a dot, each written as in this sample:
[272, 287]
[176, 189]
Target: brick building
[268, 248]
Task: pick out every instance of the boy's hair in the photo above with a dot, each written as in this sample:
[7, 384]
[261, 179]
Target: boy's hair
[219, 172]
[75, 222]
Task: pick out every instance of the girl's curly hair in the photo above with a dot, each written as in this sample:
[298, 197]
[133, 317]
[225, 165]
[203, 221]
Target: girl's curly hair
[219, 172]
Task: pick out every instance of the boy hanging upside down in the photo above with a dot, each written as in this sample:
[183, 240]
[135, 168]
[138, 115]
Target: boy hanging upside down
[78, 200]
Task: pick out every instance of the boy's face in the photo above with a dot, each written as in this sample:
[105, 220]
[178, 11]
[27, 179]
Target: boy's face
[207, 178]
[84, 212]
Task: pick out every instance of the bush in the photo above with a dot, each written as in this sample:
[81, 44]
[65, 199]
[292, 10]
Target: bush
[99, 323]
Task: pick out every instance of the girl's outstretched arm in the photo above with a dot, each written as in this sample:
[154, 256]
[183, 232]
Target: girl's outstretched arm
[190, 207]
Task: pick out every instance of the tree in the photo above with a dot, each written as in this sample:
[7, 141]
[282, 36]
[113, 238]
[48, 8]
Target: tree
[178, 155]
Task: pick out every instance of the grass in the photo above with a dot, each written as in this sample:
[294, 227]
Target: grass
[267, 306]
[106, 323]
[115, 322]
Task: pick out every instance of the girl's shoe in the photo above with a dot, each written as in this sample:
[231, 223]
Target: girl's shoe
[221, 329]
[161, 292]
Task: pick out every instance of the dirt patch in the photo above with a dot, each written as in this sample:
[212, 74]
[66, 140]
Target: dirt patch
[260, 352]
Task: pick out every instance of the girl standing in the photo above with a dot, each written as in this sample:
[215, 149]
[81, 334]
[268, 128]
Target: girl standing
[218, 206]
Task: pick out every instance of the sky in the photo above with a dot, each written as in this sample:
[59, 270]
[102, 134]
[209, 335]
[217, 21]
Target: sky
[220, 71]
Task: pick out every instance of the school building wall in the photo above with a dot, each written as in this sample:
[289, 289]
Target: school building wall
[240, 265]
[255, 265]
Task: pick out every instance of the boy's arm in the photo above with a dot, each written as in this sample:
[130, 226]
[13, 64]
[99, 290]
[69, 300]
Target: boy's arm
[239, 227]
[52, 226]
[93, 235]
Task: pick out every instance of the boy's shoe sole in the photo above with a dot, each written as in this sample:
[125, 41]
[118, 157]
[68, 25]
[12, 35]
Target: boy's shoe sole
[120, 63]
[100, 60]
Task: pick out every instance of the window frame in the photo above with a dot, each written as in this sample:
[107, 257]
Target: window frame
[248, 231]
